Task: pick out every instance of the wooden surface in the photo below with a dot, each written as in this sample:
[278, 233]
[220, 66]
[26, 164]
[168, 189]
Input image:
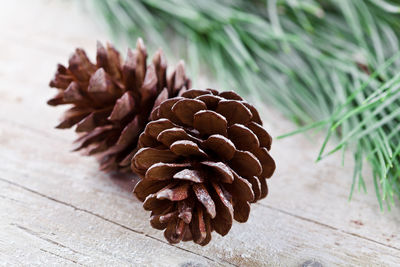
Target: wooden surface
[57, 209]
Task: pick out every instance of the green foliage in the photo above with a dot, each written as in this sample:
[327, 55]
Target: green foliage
[332, 64]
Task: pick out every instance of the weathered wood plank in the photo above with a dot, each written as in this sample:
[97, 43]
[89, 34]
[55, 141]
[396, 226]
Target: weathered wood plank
[40, 230]
[320, 191]
[271, 236]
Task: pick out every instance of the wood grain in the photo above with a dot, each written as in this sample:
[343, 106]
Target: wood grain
[57, 209]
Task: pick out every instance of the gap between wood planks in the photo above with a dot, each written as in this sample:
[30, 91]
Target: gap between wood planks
[162, 241]
[45, 134]
[103, 218]
[33, 233]
[61, 257]
[327, 226]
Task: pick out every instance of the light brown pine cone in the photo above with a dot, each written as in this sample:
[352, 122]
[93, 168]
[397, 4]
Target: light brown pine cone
[203, 159]
[112, 100]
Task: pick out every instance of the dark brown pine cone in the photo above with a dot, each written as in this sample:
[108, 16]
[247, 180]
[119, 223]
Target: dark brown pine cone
[112, 100]
[203, 159]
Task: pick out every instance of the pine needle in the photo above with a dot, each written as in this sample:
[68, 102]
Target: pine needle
[331, 64]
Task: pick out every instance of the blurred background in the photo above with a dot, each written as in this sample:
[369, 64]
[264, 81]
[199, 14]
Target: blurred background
[329, 65]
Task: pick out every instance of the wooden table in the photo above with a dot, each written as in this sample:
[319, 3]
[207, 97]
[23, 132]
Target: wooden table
[57, 209]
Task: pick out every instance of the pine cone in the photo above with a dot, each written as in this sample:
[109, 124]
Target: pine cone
[112, 100]
[203, 159]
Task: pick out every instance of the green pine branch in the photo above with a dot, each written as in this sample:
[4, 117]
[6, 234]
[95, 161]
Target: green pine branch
[332, 64]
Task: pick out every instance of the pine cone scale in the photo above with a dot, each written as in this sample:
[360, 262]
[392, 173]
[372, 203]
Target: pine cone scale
[263, 137]
[245, 163]
[73, 94]
[204, 198]
[241, 188]
[189, 175]
[185, 210]
[93, 137]
[224, 218]
[255, 186]
[220, 170]
[221, 146]
[146, 157]
[243, 137]
[201, 227]
[234, 112]
[146, 188]
[186, 108]
[164, 171]
[169, 136]
[73, 116]
[124, 106]
[187, 148]
[95, 119]
[209, 122]
[241, 211]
